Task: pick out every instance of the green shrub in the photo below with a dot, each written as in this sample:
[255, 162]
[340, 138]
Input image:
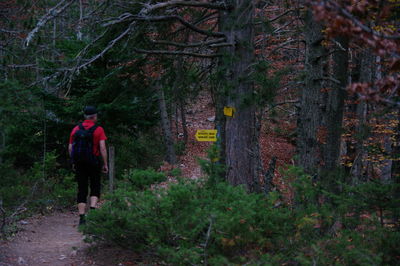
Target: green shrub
[210, 222]
[144, 150]
[141, 179]
[189, 222]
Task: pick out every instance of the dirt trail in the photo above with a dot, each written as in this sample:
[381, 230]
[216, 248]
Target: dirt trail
[46, 240]
[54, 240]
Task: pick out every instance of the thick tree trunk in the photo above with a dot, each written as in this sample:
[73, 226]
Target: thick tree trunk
[165, 124]
[335, 107]
[322, 103]
[359, 172]
[239, 134]
[311, 134]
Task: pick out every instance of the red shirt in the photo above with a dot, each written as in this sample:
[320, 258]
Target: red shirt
[98, 135]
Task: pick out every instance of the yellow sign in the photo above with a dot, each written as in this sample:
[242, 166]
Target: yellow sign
[206, 135]
[229, 111]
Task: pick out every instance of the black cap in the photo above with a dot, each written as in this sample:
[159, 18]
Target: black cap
[90, 110]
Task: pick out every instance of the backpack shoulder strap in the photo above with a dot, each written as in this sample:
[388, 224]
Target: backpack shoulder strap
[93, 128]
[81, 126]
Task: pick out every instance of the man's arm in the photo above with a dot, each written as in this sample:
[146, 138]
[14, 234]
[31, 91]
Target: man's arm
[70, 150]
[103, 152]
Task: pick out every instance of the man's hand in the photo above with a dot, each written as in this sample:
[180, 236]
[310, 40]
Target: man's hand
[105, 168]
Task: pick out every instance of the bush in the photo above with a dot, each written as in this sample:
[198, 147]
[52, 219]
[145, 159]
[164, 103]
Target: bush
[140, 179]
[211, 222]
[188, 222]
[142, 151]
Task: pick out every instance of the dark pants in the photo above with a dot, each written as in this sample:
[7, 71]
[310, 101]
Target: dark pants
[88, 174]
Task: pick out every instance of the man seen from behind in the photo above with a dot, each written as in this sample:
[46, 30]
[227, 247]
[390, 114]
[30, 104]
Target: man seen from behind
[88, 152]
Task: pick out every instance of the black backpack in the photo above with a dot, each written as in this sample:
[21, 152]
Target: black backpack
[82, 147]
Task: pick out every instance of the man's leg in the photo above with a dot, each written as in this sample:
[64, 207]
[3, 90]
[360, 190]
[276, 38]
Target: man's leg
[82, 178]
[95, 186]
[81, 208]
[93, 201]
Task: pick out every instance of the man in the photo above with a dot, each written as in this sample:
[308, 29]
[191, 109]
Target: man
[88, 171]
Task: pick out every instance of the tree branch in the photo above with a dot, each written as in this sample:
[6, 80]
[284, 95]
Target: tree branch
[281, 103]
[52, 13]
[365, 28]
[166, 52]
[284, 26]
[219, 5]
[328, 79]
[281, 15]
[108, 47]
[284, 45]
[181, 20]
[187, 45]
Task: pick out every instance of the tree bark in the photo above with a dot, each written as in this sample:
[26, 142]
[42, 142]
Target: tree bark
[322, 102]
[183, 120]
[395, 173]
[239, 132]
[311, 134]
[359, 172]
[165, 124]
[386, 170]
[335, 107]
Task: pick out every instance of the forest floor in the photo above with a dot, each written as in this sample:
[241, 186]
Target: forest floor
[55, 240]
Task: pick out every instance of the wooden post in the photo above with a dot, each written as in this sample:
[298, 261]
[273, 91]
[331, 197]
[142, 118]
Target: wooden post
[111, 172]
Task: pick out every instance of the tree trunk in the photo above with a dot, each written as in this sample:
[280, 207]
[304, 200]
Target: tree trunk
[180, 98]
[165, 124]
[239, 133]
[386, 170]
[322, 102]
[396, 167]
[183, 120]
[359, 172]
[335, 107]
[311, 134]
[396, 154]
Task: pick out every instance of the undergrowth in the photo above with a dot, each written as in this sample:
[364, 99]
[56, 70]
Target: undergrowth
[210, 222]
[42, 189]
